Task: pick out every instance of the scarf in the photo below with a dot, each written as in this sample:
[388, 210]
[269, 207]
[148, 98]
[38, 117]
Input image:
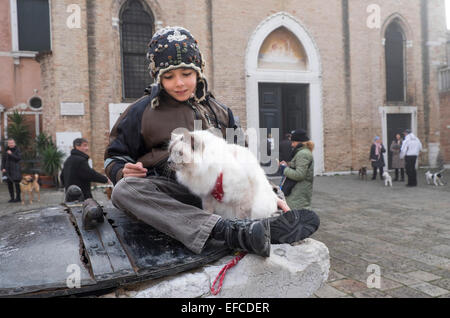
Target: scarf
[377, 149]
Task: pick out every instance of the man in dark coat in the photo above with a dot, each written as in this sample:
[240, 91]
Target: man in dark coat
[76, 169]
[11, 169]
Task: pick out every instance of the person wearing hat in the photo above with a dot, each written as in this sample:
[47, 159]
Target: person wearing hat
[397, 163]
[410, 150]
[136, 157]
[376, 157]
[300, 170]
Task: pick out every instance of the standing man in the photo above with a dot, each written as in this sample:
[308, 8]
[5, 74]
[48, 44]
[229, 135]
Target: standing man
[410, 150]
[76, 169]
[11, 169]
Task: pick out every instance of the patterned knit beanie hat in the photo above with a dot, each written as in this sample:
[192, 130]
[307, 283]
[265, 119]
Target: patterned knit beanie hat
[172, 48]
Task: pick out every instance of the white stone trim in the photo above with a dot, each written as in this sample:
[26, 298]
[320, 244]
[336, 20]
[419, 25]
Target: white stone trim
[14, 26]
[115, 110]
[313, 77]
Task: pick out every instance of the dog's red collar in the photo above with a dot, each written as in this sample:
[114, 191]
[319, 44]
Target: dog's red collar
[217, 191]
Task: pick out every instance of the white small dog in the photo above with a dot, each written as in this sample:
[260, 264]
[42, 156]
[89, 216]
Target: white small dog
[436, 178]
[387, 179]
[227, 177]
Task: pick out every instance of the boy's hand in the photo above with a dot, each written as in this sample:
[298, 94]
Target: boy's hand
[134, 170]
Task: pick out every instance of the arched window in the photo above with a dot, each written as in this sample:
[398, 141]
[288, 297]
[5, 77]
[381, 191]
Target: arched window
[395, 63]
[136, 32]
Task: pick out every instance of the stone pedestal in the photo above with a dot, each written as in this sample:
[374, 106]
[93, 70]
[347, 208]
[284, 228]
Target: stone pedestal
[290, 271]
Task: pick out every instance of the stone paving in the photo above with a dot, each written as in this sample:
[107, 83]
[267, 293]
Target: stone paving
[404, 232]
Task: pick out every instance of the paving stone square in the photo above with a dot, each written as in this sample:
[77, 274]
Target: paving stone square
[423, 276]
[430, 289]
[349, 286]
[405, 231]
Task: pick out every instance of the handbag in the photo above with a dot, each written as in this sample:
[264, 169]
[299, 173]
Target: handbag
[287, 185]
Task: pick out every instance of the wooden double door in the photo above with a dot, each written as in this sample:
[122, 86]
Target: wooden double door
[283, 106]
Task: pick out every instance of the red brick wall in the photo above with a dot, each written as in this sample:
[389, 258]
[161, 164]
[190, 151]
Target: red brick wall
[445, 126]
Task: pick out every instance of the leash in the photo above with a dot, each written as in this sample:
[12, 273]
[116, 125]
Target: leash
[224, 270]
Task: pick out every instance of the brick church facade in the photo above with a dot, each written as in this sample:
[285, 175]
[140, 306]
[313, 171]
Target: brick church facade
[346, 70]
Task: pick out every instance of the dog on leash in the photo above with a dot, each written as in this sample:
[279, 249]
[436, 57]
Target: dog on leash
[436, 178]
[387, 179]
[363, 173]
[28, 185]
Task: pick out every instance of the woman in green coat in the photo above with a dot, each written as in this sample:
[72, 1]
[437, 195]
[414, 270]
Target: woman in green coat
[301, 170]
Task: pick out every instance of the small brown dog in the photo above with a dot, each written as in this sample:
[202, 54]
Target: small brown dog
[28, 184]
[363, 173]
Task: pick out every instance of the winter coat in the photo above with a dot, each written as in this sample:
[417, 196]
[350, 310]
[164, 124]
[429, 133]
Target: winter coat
[301, 169]
[142, 133]
[11, 163]
[395, 148]
[411, 146]
[77, 171]
[377, 161]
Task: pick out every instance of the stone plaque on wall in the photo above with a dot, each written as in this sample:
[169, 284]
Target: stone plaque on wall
[72, 109]
[64, 141]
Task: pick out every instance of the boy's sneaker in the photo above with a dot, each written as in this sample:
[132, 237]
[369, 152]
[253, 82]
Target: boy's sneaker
[293, 226]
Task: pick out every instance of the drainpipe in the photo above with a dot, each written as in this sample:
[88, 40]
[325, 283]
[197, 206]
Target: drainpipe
[347, 72]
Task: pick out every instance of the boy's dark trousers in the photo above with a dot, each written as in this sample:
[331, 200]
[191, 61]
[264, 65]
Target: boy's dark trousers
[410, 166]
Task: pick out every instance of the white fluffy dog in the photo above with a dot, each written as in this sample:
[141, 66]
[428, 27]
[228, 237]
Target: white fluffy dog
[227, 177]
[387, 179]
[434, 177]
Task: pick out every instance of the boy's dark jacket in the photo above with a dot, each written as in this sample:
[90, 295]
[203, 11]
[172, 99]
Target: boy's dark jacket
[77, 171]
[142, 133]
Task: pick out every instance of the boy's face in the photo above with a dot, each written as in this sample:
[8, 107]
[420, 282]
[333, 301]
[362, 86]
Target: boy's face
[11, 143]
[180, 83]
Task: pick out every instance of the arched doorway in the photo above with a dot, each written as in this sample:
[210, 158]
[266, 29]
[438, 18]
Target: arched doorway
[283, 83]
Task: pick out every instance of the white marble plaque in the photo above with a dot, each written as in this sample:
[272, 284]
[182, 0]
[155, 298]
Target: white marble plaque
[115, 110]
[72, 109]
[64, 141]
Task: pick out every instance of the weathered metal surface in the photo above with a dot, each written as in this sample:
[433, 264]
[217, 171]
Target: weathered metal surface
[106, 255]
[36, 250]
[38, 247]
[154, 254]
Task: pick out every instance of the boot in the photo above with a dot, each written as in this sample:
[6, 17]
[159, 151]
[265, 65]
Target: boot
[293, 226]
[246, 235]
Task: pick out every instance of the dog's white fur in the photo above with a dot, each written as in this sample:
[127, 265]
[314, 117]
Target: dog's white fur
[199, 157]
[387, 179]
[434, 177]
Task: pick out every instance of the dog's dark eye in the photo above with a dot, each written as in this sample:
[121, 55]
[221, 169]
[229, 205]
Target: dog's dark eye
[180, 153]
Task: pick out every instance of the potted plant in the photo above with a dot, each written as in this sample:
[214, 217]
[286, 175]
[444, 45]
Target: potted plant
[52, 159]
